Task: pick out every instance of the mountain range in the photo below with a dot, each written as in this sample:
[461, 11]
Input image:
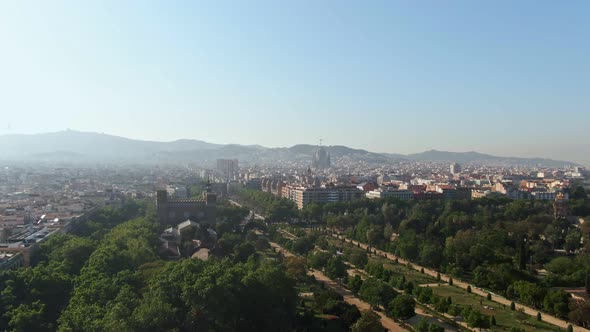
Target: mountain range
[76, 146]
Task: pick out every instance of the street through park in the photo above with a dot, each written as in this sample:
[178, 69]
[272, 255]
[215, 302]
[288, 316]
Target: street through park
[348, 296]
[496, 298]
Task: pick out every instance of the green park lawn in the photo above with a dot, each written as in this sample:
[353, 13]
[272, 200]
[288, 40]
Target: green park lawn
[398, 269]
[505, 318]
[411, 275]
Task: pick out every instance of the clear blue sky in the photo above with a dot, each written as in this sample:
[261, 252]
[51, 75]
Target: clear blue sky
[501, 77]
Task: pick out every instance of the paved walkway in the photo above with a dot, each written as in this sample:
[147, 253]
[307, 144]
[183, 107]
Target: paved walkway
[475, 290]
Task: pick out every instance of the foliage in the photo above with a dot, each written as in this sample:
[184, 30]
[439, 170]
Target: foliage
[527, 292]
[32, 299]
[336, 268]
[369, 322]
[402, 307]
[319, 259]
[556, 302]
[376, 292]
[272, 207]
[355, 283]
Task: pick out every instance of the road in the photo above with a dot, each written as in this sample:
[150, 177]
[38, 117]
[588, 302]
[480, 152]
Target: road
[256, 215]
[496, 298]
[348, 296]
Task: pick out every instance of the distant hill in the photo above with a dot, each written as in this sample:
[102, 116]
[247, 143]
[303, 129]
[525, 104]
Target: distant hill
[473, 157]
[76, 146]
[91, 146]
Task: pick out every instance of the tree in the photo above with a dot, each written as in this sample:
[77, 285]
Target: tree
[336, 268]
[424, 294]
[407, 245]
[374, 234]
[422, 326]
[243, 251]
[376, 292]
[261, 244]
[579, 193]
[435, 328]
[403, 307]
[355, 283]
[358, 259]
[528, 292]
[409, 287]
[303, 245]
[295, 267]
[556, 302]
[28, 318]
[572, 240]
[431, 255]
[476, 319]
[387, 232]
[319, 259]
[580, 312]
[369, 322]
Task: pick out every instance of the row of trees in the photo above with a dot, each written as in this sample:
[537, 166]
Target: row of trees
[499, 236]
[272, 207]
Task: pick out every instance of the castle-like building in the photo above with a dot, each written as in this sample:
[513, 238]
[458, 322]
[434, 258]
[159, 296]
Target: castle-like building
[172, 211]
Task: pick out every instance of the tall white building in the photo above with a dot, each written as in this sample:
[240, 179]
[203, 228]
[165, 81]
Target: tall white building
[228, 168]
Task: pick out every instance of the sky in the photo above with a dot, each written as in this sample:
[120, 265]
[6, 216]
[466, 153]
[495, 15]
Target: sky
[508, 78]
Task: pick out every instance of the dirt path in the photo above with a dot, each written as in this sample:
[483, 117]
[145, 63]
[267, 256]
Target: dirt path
[348, 296]
[420, 313]
[475, 290]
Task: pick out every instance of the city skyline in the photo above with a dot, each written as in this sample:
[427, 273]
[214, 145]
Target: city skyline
[504, 79]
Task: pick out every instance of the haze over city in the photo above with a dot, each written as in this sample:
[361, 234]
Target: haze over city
[504, 78]
[291, 166]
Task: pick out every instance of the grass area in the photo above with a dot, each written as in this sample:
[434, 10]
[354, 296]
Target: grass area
[505, 318]
[318, 321]
[433, 317]
[401, 270]
[398, 269]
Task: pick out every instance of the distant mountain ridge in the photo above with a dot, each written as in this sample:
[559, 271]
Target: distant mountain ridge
[79, 146]
[476, 157]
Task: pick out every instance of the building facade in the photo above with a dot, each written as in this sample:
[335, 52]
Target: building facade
[404, 195]
[304, 196]
[321, 159]
[228, 169]
[172, 211]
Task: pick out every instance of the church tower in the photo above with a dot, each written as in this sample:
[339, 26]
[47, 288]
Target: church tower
[321, 158]
[560, 207]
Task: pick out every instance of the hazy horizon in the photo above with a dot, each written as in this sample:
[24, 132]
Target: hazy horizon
[504, 78]
[289, 146]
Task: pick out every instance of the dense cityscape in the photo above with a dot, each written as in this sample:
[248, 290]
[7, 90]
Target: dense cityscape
[292, 207]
